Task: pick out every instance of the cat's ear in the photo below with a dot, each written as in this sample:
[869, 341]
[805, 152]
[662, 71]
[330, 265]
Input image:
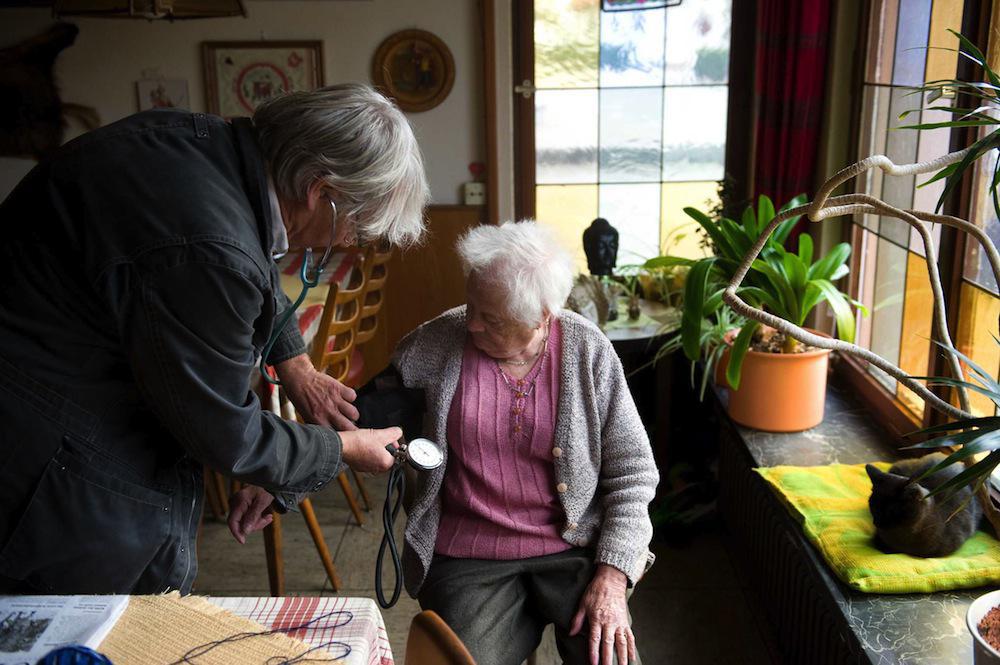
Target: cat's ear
[882, 479]
[916, 491]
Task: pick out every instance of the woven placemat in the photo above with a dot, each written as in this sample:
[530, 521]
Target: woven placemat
[156, 630]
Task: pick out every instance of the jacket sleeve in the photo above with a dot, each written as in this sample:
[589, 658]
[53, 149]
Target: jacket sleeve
[188, 332]
[289, 343]
[628, 472]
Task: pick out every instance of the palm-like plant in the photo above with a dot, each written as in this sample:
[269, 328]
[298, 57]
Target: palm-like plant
[972, 436]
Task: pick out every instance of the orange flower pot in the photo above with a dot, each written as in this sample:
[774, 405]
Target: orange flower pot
[780, 392]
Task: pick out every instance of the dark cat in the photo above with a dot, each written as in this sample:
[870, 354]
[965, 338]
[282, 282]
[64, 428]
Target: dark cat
[909, 522]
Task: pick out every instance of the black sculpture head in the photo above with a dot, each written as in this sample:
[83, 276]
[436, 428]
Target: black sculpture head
[600, 244]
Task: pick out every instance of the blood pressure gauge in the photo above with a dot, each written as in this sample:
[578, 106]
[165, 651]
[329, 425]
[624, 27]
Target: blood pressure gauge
[422, 454]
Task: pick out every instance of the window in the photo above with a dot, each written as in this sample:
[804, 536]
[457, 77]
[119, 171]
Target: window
[630, 119]
[890, 271]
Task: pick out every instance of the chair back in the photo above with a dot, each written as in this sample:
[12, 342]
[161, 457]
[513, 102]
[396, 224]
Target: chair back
[337, 333]
[376, 265]
[432, 642]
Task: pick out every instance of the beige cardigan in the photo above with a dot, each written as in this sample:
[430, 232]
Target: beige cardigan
[606, 462]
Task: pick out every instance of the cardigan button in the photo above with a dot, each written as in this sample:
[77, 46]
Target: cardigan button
[557, 452]
[561, 487]
[572, 526]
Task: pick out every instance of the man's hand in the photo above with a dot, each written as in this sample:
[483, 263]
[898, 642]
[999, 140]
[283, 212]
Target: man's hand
[364, 449]
[249, 511]
[321, 399]
[603, 606]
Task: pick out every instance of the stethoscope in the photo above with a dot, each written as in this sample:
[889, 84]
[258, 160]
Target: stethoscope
[422, 455]
[310, 277]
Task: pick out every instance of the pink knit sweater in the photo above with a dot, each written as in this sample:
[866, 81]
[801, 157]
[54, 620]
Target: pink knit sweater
[498, 500]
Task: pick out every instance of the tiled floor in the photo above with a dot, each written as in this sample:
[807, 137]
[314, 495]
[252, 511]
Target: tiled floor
[691, 608]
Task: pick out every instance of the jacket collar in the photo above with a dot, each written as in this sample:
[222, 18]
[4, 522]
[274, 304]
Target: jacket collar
[254, 171]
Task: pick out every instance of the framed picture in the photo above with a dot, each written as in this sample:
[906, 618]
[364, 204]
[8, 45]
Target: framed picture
[162, 94]
[240, 75]
[415, 68]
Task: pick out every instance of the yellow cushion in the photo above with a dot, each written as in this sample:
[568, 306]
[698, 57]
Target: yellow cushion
[831, 502]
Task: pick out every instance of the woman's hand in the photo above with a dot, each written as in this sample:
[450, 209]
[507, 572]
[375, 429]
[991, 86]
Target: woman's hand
[320, 398]
[249, 511]
[603, 606]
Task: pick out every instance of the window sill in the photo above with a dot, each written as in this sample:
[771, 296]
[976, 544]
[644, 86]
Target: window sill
[810, 610]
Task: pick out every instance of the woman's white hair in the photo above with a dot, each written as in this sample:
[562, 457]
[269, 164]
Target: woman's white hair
[525, 261]
[359, 144]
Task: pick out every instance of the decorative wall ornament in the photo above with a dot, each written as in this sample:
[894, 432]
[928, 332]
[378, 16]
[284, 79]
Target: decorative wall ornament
[241, 75]
[161, 93]
[415, 68]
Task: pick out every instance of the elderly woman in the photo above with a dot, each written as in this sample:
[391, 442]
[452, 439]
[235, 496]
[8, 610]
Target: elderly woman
[539, 514]
[143, 254]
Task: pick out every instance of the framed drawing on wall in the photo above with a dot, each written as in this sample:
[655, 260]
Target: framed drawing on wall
[240, 75]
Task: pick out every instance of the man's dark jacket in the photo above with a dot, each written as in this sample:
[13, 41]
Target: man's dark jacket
[136, 289]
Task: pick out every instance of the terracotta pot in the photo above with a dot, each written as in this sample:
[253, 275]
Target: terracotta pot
[983, 653]
[780, 392]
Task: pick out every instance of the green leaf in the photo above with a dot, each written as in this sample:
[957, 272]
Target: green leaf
[842, 311]
[957, 383]
[759, 296]
[811, 297]
[713, 230]
[974, 473]
[694, 301]
[796, 272]
[666, 262]
[750, 223]
[780, 286]
[984, 377]
[781, 233]
[738, 352]
[951, 123]
[825, 267]
[987, 421]
[806, 248]
[969, 48]
[765, 212]
[959, 439]
[990, 442]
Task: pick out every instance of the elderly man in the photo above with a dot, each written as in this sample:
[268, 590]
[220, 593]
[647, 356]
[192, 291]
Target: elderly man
[139, 290]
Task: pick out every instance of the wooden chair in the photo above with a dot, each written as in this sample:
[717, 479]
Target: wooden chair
[432, 642]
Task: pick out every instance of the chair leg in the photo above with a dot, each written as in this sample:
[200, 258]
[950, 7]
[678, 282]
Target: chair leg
[362, 490]
[212, 501]
[220, 488]
[317, 535]
[345, 485]
[272, 551]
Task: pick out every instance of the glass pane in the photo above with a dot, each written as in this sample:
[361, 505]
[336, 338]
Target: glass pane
[632, 48]
[874, 128]
[915, 340]
[635, 211]
[694, 132]
[866, 284]
[698, 42]
[887, 311]
[977, 267]
[679, 233]
[566, 45]
[568, 210]
[933, 144]
[565, 136]
[976, 327]
[942, 56]
[882, 42]
[911, 42]
[631, 126]
[901, 148]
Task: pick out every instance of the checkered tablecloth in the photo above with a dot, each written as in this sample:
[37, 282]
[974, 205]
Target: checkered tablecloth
[351, 626]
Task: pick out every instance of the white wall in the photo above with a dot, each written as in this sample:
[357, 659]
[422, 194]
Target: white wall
[101, 68]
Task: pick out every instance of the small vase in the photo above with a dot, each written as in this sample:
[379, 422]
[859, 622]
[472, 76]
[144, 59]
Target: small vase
[633, 308]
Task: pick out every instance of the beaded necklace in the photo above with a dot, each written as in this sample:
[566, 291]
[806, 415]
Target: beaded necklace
[522, 391]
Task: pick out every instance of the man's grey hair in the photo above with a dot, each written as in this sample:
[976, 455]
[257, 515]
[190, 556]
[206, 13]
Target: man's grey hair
[525, 261]
[358, 143]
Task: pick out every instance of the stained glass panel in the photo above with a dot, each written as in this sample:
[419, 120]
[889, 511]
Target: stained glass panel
[635, 211]
[678, 232]
[697, 43]
[631, 125]
[694, 133]
[887, 305]
[565, 136]
[915, 339]
[911, 42]
[632, 48]
[568, 209]
[976, 329]
[566, 43]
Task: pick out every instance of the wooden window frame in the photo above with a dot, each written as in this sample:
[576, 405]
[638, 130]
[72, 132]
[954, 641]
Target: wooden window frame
[887, 411]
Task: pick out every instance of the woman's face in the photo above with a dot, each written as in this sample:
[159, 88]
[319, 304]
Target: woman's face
[490, 326]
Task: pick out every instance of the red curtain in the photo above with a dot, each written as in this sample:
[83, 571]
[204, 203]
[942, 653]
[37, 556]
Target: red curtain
[791, 66]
